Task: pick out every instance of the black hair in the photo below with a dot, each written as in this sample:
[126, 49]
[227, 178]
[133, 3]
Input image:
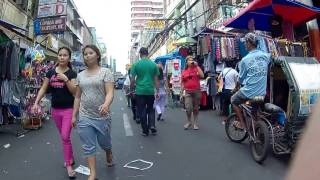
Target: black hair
[160, 73]
[143, 51]
[69, 53]
[95, 49]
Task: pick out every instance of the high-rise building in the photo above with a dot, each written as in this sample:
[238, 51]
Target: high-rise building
[141, 12]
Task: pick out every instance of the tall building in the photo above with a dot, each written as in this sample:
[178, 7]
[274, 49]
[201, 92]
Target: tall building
[141, 12]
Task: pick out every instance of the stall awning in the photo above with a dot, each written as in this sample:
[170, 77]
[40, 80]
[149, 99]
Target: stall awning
[261, 11]
[10, 25]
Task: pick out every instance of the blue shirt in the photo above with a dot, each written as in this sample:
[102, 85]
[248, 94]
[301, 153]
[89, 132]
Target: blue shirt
[253, 73]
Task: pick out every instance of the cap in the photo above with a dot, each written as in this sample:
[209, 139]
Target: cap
[252, 38]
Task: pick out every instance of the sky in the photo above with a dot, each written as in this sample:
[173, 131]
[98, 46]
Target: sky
[112, 21]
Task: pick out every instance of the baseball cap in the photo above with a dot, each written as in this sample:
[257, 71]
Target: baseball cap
[252, 38]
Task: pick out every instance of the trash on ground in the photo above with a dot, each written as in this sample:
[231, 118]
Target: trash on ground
[136, 176]
[159, 152]
[7, 146]
[21, 136]
[150, 164]
[48, 143]
[83, 170]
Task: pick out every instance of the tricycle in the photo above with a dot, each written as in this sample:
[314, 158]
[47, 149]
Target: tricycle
[278, 121]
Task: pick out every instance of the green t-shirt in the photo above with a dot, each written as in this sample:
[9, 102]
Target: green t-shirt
[145, 71]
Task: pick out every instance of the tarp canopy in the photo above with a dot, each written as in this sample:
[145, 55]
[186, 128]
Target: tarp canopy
[261, 11]
[185, 40]
[174, 54]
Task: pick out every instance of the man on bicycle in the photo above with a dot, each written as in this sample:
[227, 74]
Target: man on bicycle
[252, 76]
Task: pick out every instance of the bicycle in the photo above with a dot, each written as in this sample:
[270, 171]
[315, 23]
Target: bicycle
[256, 128]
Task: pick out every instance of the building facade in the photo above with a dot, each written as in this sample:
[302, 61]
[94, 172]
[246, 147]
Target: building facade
[142, 11]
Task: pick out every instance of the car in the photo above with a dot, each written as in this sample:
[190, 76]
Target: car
[119, 83]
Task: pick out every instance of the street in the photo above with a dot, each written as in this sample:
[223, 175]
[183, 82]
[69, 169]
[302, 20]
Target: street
[175, 152]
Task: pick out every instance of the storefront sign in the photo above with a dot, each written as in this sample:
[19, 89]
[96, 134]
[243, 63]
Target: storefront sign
[155, 24]
[50, 25]
[59, 9]
[43, 2]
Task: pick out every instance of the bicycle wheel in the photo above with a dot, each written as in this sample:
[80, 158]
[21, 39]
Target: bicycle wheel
[260, 146]
[234, 134]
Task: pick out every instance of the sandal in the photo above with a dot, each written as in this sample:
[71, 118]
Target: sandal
[72, 174]
[187, 126]
[109, 162]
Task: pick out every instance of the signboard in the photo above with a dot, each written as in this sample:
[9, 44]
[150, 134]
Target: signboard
[50, 25]
[155, 24]
[59, 9]
[43, 2]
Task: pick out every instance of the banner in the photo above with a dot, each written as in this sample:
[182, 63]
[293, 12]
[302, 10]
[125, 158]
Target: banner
[50, 25]
[43, 2]
[49, 10]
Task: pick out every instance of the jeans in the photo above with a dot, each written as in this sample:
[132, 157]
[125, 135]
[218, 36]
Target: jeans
[146, 112]
[225, 101]
[63, 120]
[91, 131]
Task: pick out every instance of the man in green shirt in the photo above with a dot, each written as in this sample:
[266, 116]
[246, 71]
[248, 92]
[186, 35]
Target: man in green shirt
[145, 80]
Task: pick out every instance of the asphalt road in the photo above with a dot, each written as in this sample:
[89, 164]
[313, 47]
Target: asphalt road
[175, 153]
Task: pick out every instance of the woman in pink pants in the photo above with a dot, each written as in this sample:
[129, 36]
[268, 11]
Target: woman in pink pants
[60, 81]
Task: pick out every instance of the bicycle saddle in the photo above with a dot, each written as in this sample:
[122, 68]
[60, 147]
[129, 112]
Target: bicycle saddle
[258, 100]
[272, 108]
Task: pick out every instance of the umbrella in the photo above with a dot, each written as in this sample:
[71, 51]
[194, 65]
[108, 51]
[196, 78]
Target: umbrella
[162, 59]
[262, 10]
[185, 40]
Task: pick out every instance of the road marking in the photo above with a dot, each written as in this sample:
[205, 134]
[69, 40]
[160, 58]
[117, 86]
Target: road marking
[127, 125]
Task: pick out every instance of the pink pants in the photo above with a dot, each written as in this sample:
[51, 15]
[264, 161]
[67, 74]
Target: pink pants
[63, 120]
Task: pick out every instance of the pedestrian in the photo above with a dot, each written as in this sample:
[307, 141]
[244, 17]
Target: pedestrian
[144, 79]
[60, 82]
[126, 88]
[94, 95]
[131, 93]
[229, 78]
[161, 101]
[191, 91]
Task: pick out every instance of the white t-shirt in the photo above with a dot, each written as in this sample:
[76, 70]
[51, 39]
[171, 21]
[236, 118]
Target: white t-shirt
[127, 81]
[231, 77]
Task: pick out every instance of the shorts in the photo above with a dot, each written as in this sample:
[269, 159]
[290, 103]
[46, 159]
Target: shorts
[91, 131]
[192, 101]
[238, 98]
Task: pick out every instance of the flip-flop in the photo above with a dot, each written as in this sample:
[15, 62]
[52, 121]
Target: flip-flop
[72, 176]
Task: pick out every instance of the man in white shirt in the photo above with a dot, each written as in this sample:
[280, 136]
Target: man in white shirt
[230, 78]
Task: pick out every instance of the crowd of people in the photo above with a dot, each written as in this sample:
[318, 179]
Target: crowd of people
[83, 100]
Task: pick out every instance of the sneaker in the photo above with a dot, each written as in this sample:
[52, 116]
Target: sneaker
[144, 134]
[153, 131]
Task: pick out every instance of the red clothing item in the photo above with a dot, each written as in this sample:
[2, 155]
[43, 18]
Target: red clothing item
[190, 79]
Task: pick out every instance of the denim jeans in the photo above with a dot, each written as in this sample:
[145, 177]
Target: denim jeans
[146, 112]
